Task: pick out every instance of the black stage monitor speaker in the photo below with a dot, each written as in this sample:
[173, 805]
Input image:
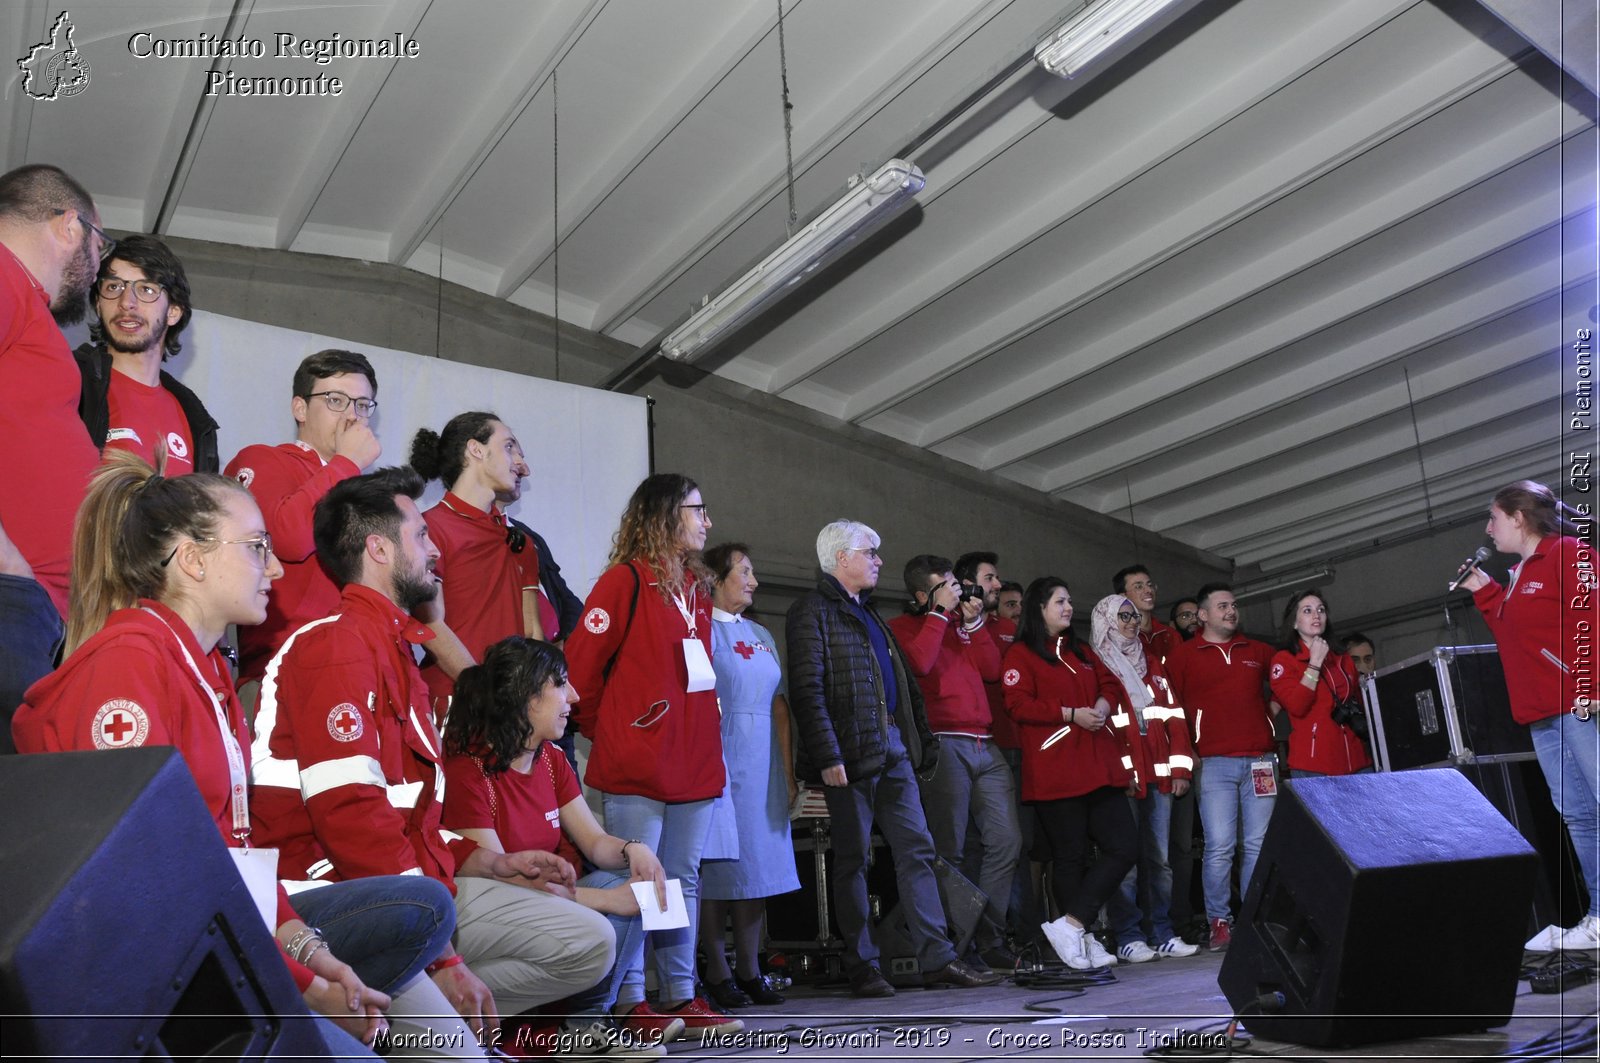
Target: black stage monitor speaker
[126, 931]
[1382, 907]
[964, 904]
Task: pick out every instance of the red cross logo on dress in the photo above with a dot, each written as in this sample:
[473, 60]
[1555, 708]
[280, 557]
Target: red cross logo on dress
[344, 723]
[744, 649]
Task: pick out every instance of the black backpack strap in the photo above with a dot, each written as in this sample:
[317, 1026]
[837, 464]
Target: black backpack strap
[633, 606]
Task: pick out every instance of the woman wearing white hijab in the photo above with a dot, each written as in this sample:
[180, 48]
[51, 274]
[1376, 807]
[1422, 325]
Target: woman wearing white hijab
[1153, 729]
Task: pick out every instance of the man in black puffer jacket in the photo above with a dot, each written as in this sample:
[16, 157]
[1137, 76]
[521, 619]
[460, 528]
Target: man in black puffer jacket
[863, 734]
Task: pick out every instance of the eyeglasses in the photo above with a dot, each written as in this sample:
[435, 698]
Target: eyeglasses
[146, 291]
[260, 545]
[107, 245]
[339, 402]
[870, 551]
[700, 510]
[1127, 618]
[1187, 614]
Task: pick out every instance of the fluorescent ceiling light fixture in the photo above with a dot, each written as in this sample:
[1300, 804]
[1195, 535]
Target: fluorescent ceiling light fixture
[868, 201]
[1283, 583]
[1091, 31]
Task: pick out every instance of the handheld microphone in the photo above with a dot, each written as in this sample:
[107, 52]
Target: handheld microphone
[1479, 556]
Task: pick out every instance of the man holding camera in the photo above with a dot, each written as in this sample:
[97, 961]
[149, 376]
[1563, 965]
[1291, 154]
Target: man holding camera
[952, 652]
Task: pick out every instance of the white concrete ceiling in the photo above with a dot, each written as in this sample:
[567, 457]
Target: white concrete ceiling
[1242, 286]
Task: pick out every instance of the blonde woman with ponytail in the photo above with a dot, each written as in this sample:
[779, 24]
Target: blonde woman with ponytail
[161, 566]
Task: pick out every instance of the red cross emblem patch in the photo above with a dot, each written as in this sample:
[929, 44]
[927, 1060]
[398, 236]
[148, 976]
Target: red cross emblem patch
[1012, 677]
[345, 723]
[120, 724]
[597, 620]
[246, 476]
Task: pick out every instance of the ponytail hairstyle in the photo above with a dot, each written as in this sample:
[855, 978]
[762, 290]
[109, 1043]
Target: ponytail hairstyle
[650, 533]
[131, 520]
[1542, 513]
[442, 456]
[489, 711]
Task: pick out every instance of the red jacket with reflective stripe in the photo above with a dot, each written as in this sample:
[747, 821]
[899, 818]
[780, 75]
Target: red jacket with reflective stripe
[1163, 752]
[1037, 691]
[1316, 743]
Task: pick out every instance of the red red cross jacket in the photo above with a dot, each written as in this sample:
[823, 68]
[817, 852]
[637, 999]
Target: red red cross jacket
[1316, 743]
[346, 759]
[1037, 691]
[1163, 752]
[651, 736]
[1219, 685]
[951, 665]
[1551, 611]
[130, 686]
[288, 481]
[1005, 732]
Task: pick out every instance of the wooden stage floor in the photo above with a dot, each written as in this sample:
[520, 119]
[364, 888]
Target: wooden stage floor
[1151, 1004]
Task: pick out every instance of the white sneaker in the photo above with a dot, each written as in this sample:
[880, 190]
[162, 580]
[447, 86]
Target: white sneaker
[1067, 940]
[1585, 937]
[1176, 946]
[1546, 940]
[1097, 954]
[1136, 952]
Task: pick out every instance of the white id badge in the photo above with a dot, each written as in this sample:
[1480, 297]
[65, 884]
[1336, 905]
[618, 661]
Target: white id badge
[701, 676]
[1263, 778]
[259, 869]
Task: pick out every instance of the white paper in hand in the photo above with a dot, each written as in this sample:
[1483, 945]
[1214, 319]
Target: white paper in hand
[677, 913]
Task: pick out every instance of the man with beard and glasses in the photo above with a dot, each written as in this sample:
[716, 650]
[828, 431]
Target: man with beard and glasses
[128, 402]
[348, 779]
[50, 246]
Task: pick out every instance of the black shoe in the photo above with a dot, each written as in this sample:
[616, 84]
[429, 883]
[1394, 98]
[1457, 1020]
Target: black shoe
[999, 958]
[961, 976]
[728, 995]
[759, 991]
[870, 982]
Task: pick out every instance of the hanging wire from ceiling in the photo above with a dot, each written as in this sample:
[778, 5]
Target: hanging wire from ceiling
[438, 300]
[1416, 434]
[555, 197]
[788, 124]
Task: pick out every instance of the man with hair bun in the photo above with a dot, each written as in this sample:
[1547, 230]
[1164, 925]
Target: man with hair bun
[495, 570]
[332, 402]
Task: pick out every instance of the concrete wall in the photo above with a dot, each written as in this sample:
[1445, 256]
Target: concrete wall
[772, 473]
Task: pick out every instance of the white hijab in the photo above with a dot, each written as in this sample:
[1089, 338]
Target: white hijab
[1125, 657]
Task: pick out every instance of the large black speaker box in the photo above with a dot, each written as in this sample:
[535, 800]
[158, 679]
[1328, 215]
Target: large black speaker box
[126, 931]
[1382, 907]
[964, 904]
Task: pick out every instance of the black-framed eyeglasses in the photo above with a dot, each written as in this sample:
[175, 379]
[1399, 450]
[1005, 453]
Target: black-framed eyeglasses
[107, 244]
[699, 508]
[260, 545]
[146, 291]
[339, 402]
[1127, 618]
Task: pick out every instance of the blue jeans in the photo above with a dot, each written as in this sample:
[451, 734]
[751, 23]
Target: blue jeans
[677, 834]
[1146, 892]
[890, 799]
[630, 942]
[388, 928]
[1227, 797]
[30, 637]
[1569, 754]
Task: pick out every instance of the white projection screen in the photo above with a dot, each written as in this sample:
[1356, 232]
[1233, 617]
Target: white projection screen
[588, 449]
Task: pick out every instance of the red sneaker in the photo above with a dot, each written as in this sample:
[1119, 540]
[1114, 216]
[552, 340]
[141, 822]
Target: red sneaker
[1221, 934]
[699, 1016]
[650, 1026]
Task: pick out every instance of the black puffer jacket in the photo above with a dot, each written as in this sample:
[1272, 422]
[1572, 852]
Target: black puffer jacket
[836, 690]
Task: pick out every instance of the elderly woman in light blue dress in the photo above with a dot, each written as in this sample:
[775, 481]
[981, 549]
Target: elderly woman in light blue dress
[760, 758]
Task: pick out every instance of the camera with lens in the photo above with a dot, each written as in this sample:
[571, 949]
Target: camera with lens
[1349, 713]
[968, 592]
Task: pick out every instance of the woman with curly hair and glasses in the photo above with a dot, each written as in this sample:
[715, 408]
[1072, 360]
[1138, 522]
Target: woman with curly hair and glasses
[641, 662]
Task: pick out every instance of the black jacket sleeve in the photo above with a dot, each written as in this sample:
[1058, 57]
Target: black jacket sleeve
[569, 607]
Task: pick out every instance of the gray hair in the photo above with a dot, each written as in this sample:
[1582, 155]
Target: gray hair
[842, 535]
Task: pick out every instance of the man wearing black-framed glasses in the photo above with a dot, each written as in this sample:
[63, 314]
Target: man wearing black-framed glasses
[129, 402]
[49, 247]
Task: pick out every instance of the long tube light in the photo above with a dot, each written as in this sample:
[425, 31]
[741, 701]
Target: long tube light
[869, 200]
[1283, 583]
[1091, 32]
